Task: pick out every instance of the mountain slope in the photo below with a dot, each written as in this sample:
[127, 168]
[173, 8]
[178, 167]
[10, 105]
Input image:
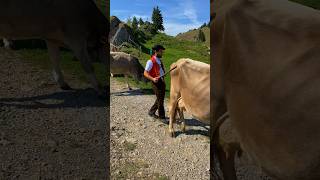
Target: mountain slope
[190, 35]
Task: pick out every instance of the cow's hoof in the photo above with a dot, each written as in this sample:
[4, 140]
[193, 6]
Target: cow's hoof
[183, 128]
[65, 87]
[172, 134]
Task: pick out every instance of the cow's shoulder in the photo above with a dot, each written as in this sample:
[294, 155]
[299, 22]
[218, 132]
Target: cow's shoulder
[184, 64]
[124, 57]
[193, 64]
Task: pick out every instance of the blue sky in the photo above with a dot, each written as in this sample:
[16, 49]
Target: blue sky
[178, 15]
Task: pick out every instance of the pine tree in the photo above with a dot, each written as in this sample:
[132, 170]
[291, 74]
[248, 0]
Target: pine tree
[129, 21]
[203, 25]
[157, 19]
[134, 23]
[141, 22]
[201, 36]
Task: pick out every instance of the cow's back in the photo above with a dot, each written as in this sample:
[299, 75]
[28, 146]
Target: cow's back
[123, 63]
[45, 18]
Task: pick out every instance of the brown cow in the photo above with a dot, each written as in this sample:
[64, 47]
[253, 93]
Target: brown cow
[123, 63]
[79, 26]
[266, 74]
[190, 81]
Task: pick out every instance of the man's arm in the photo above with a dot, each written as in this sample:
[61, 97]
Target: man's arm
[147, 75]
[146, 72]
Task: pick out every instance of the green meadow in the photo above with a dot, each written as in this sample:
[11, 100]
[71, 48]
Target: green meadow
[40, 58]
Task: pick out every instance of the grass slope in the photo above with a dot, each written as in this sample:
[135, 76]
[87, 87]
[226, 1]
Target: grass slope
[190, 35]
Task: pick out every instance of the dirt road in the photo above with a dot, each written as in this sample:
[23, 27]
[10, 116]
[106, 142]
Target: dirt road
[47, 133]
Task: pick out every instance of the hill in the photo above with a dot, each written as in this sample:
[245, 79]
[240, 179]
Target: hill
[190, 35]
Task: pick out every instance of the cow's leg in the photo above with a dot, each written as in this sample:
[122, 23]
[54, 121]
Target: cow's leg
[172, 120]
[226, 154]
[82, 54]
[183, 123]
[54, 53]
[172, 112]
[218, 110]
[127, 81]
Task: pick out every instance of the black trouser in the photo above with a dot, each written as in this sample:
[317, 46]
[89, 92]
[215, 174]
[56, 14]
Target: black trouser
[159, 89]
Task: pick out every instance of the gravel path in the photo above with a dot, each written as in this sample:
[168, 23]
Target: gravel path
[47, 133]
[141, 148]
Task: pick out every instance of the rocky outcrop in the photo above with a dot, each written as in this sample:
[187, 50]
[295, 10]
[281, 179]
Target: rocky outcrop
[119, 31]
[114, 23]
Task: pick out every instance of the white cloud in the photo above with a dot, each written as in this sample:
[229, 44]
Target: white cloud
[186, 12]
[174, 28]
[189, 11]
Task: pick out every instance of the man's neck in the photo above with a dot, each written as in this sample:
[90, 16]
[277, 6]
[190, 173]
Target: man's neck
[156, 55]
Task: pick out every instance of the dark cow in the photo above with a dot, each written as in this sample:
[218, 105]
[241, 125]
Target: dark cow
[78, 25]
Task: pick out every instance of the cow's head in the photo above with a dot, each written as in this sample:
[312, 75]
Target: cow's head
[139, 70]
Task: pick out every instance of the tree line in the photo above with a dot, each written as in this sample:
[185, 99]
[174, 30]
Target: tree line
[143, 30]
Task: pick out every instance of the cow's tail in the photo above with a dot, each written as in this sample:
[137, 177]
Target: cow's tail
[173, 66]
[215, 139]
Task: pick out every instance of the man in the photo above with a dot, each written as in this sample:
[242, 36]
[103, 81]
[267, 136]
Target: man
[153, 71]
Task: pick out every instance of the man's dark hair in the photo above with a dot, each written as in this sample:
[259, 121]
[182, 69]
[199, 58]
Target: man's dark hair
[157, 47]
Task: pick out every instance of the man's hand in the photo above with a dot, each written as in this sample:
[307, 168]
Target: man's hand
[156, 79]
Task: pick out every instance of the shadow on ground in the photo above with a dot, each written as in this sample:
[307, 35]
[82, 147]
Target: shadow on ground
[77, 98]
[194, 122]
[135, 92]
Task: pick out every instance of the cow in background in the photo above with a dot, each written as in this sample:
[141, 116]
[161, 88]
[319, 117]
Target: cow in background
[123, 63]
